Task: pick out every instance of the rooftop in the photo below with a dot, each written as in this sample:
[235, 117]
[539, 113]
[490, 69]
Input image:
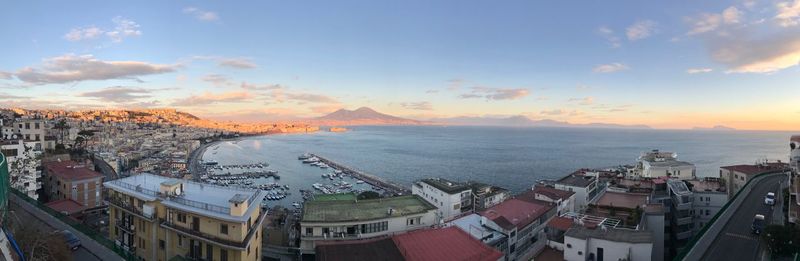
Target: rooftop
[358, 250]
[549, 254]
[576, 180]
[552, 193]
[757, 169]
[199, 198]
[352, 210]
[678, 187]
[623, 200]
[610, 234]
[449, 187]
[67, 206]
[669, 163]
[449, 243]
[707, 185]
[70, 170]
[516, 213]
[560, 223]
[472, 225]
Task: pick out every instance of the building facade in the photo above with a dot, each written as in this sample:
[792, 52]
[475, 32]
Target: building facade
[71, 180]
[524, 224]
[487, 196]
[585, 188]
[597, 243]
[451, 198]
[736, 176]
[654, 164]
[159, 218]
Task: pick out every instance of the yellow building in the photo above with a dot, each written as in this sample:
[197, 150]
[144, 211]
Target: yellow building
[159, 218]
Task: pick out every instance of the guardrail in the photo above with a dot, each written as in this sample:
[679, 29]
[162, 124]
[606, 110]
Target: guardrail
[693, 241]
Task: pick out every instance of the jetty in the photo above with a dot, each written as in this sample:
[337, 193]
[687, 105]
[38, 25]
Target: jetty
[389, 187]
[252, 174]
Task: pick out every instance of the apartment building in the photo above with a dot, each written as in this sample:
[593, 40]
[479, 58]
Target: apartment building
[736, 176]
[487, 196]
[23, 166]
[709, 198]
[74, 181]
[584, 186]
[794, 153]
[347, 219]
[682, 214]
[564, 200]
[523, 222]
[160, 218]
[451, 198]
[654, 164]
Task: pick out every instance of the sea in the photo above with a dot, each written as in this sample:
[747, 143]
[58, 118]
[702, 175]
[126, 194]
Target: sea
[509, 157]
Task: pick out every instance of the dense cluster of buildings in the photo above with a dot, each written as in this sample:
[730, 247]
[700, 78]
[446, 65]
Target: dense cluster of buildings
[646, 211]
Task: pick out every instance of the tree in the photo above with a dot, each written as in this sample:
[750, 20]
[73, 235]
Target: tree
[37, 243]
[369, 194]
[781, 240]
[62, 127]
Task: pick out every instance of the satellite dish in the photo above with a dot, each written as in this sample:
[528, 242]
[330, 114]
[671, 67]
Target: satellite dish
[178, 191]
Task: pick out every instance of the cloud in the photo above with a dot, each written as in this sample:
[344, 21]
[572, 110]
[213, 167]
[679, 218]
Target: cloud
[744, 54]
[200, 14]
[495, 93]
[87, 33]
[422, 106]
[252, 86]
[553, 112]
[6, 96]
[640, 30]
[707, 22]
[583, 101]
[608, 34]
[118, 94]
[454, 84]
[325, 109]
[788, 13]
[699, 70]
[238, 63]
[208, 98]
[284, 95]
[6, 75]
[217, 80]
[123, 28]
[75, 68]
[432, 91]
[609, 68]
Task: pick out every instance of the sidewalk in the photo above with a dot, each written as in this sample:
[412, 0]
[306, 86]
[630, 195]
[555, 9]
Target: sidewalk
[96, 249]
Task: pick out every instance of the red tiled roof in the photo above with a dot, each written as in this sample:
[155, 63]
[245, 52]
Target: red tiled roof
[560, 223]
[756, 169]
[550, 254]
[358, 250]
[518, 213]
[70, 170]
[795, 138]
[449, 243]
[67, 206]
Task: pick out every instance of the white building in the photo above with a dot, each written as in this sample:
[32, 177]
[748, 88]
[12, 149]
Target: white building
[524, 222]
[585, 188]
[654, 164]
[346, 219]
[709, 198]
[451, 198]
[23, 162]
[563, 199]
[598, 243]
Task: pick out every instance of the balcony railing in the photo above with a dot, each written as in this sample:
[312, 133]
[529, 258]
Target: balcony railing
[684, 221]
[240, 245]
[184, 201]
[128, 207]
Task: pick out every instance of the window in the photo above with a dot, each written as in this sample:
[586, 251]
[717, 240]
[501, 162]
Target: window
[309, 231]
[701, 198]
[569, 245]
[708, 198]
[580, 253]
[513, 233]
[375, 227]
[708, 212]
[161, 244]
[413, 221]
[223, 228]
[456, 206]
[181, 217]
[248, 250]
[180, 241]
[223, 254]
[513, 247]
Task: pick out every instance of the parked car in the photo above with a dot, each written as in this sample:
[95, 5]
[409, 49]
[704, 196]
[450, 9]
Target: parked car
[758, 224]
[770, 199]
[72, 241]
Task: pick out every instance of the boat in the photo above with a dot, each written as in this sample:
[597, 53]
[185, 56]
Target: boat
[297, 205]
[305, 156]
[360, 182]
[323, 165]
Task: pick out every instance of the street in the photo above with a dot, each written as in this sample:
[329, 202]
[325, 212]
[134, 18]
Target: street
[19, 215]
[736, 240]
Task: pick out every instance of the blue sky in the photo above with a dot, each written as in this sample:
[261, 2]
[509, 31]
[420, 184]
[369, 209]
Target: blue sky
[673, 64]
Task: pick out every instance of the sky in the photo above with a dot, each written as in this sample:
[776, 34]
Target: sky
[666, 64]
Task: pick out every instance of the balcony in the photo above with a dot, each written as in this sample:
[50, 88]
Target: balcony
[684, 221]
[684, 235]
[127, 207]
[127, 227]
[238, 245]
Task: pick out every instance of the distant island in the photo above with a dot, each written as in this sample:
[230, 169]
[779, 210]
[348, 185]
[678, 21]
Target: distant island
[523, 121]
[337, 129]
[715, 128]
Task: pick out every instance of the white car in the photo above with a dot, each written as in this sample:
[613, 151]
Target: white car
[770, 199]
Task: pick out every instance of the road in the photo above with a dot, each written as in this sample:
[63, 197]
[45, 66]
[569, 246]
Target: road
[18, 213]
[736, 240]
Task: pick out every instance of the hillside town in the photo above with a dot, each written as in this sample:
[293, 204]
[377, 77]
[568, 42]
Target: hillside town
[124, 177]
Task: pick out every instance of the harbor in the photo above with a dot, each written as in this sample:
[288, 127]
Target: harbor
[387, 187]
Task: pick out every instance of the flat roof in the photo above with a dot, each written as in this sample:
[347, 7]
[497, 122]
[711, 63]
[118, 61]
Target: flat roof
[382, 248]
[68, 206]
[449, 243]
[611, 234]
[624, 200]
[70, 170]
[707, 185]
[576, 180]
[669, 163]
[359, 210]
[472, 225]
[757, 169]
[448, 186]
[200, 198]
[516, 213]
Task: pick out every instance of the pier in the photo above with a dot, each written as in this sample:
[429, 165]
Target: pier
[389, 187]
[257, 174]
